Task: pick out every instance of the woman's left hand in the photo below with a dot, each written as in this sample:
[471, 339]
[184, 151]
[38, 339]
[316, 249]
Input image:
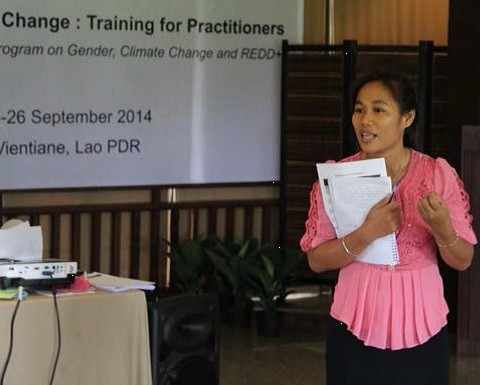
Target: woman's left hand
[454, 250]
[434, 211]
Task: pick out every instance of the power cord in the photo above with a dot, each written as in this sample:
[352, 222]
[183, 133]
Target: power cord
[59, 332]
[12, 323]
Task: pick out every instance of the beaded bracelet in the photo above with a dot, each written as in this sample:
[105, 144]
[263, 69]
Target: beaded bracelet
[345, 248]
[449, 244]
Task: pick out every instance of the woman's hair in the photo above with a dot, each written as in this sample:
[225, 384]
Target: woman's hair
[402, 92]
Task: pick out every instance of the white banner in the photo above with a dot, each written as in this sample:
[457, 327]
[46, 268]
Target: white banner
[141, 92]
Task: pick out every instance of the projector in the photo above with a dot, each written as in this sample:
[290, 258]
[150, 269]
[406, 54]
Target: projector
[40, 273]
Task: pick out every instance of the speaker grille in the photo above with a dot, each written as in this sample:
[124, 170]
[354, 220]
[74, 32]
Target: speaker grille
[184, 339]
[191, 371]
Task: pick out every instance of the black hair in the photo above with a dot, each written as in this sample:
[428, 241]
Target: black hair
[402, 91]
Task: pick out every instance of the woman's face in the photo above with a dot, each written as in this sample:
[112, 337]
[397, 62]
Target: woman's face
[378, 122]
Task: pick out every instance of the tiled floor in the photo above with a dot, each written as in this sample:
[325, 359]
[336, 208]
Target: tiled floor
[296, 357]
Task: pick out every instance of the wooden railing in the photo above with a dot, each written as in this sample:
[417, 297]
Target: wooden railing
[127, 238]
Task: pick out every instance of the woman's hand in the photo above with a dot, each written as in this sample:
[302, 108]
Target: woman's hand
[434, 211]
[455, 251]
[383, 218]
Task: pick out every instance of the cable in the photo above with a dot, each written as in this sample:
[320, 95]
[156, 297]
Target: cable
[59, 332]
[12, 323]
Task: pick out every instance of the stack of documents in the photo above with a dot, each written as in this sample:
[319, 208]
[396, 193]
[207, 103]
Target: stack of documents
[349, 191]
[112, 283]
[21, 242]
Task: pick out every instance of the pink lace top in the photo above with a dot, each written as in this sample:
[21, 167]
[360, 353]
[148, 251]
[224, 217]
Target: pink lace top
[402, 306]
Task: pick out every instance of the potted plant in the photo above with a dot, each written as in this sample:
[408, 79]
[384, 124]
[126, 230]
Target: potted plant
[228, 260]
[267, 278]
[191, 270]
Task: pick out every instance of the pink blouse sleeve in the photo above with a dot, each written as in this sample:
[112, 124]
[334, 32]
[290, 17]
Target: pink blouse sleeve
[318, 228]
[449, 185]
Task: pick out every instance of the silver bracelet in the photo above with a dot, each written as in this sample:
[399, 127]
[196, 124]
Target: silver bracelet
[346, 249]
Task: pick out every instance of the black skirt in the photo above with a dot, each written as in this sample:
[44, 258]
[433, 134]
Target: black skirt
[350, 362]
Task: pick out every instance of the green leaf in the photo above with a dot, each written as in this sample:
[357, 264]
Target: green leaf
[244, 249]
[222, 266]
[269, 266]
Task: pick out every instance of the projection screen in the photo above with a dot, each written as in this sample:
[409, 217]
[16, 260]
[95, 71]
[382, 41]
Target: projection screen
[141, 92]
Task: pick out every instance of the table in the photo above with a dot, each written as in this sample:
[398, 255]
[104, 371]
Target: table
[105, 340]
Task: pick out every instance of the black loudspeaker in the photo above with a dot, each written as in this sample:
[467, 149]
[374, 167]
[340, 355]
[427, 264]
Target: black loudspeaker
[184, 339]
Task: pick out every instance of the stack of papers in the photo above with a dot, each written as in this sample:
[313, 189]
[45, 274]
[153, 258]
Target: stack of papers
[21, 242]
[112, 283]
[349, 191]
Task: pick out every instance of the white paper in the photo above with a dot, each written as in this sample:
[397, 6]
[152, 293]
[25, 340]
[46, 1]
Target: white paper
[349, 191]
[21, 242]
[112, 283]
[368, 167]
[352, 199]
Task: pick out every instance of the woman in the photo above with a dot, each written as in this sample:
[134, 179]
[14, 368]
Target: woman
[387, 324]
